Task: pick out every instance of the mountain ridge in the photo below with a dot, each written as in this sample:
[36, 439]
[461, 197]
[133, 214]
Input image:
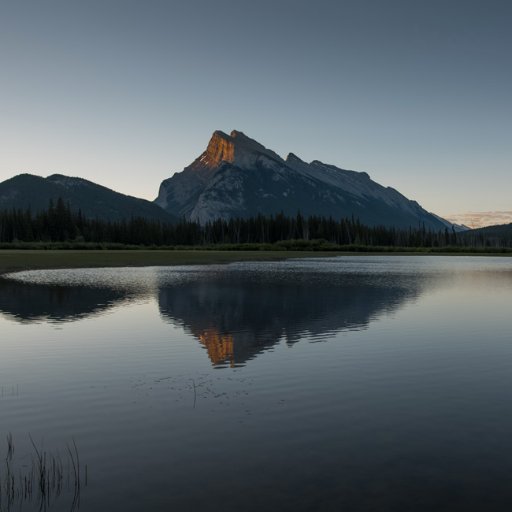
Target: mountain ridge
[234, 177]
[30, 191]
[237, 176]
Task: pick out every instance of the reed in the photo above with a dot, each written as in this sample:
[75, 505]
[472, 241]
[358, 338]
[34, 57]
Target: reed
[43, 481]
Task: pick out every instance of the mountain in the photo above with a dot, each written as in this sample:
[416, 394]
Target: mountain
[238, 177]
[35, 192]
[500, 234]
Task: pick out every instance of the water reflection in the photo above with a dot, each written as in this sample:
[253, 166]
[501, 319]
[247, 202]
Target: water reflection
[237, 317]
[411, 412]
[29, 303]
[235, 312]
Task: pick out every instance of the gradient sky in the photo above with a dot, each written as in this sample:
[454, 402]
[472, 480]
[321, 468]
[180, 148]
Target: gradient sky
[125, 93]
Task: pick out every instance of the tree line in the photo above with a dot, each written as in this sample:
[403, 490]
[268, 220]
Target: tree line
[59, 223]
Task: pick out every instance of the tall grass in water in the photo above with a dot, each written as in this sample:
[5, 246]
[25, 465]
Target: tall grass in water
[42, 482]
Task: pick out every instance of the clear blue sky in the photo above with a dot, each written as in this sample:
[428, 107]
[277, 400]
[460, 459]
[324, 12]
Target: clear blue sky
[418, 93]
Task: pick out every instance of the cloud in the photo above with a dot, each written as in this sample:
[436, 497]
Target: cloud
[481, 219]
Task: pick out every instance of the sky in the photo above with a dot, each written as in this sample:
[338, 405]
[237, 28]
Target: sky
[125, 93]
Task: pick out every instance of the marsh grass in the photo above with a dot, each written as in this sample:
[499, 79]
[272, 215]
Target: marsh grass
[40, 483]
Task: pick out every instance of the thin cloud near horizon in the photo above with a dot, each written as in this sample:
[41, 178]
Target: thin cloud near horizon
[481, 219]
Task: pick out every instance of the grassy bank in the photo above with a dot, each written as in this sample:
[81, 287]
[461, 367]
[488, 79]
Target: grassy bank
[315, 245]
[28, 259]
[14, 260]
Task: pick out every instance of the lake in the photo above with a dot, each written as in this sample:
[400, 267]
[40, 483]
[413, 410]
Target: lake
[350, 383]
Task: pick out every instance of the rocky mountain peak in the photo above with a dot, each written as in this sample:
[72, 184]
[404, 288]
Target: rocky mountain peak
[237, 149]
[220, 149]
[241, 135]
[239, 177]
[293, 158]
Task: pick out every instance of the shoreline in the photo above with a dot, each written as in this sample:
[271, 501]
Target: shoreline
[20, 260]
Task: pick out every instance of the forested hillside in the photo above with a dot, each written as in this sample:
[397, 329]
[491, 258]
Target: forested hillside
[59, 223]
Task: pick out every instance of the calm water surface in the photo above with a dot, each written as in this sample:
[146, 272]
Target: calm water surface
[357, 383]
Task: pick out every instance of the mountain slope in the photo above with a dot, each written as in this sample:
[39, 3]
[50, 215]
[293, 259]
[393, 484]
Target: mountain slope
[35, 192]
[501, 233]
[238, 177]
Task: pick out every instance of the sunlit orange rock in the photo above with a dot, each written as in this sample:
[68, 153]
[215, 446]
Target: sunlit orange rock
[220, 347]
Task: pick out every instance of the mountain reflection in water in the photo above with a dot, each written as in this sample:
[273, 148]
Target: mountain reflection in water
[395, 399]
[28, 302]
[235, 314]
[236, 317]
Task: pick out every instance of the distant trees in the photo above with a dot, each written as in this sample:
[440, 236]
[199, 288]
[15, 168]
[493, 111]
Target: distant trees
[60, 224]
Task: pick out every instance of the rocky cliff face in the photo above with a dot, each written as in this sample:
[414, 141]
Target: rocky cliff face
[236, 149]
[238, 177]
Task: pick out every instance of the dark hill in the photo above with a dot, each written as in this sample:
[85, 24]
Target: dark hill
[35, 192]
[499, 235]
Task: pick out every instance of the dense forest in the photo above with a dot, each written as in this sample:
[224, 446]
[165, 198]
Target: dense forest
[59, 223]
